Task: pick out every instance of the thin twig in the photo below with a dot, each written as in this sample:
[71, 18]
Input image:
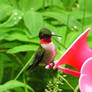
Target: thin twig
[3, 50]
[84, 15]
[18, 59]
[24, 67]
[76, 89]
[67, 82]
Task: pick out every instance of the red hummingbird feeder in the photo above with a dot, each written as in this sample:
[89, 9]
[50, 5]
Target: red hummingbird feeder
[75, 55]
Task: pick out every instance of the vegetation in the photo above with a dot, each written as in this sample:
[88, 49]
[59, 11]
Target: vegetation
[20, 23]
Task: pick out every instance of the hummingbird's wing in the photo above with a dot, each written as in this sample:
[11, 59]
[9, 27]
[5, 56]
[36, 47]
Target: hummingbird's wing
[37, 58]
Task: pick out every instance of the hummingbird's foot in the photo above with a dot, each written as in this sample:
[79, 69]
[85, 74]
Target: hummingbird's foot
[50, 65]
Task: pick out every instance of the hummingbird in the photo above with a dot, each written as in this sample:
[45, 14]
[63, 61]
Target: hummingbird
[47, 50]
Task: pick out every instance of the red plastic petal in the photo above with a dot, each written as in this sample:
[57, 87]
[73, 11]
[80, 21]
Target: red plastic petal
[78, 52]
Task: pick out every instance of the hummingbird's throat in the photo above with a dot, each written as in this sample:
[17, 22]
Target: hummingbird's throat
[45, 40]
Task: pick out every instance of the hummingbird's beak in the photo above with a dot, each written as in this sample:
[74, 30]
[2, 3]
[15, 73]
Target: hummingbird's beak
[56, 35]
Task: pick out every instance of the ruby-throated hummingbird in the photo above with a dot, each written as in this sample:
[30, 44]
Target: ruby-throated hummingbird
[47, 50]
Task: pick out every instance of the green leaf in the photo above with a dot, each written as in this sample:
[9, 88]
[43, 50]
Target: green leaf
[18, 89]
[28, 4]
[34, 22]
[68, 3]
[86, 5]
[13, 20]
[25, 66]
[90, 43]
[74, 23]
[62, 31]
[4, 2]
[17, 36]
[51, 3]
[13, 3]
[63, 18]
[23, 48]
[1, 68]
[7, 45]
[71, 37]
[78, 14]
[12, 84]
[5, 11]
[3, 60]
[50, 27]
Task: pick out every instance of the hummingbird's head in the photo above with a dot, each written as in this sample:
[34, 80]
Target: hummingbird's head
[45, 36]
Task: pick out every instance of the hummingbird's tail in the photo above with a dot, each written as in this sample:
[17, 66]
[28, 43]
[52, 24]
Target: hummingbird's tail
[33, 66]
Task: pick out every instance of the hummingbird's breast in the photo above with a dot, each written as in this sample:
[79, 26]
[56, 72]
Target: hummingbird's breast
[50, 52]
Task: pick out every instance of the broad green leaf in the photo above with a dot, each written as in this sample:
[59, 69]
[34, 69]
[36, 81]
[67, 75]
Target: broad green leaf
[20, 36]
[64, 18]
[3, 35]
[1, 68]
[59, 16]
[4, 2]
[18, 89]
[7, 45]
[28, 4]
[78, 14]
[71, 37]
[68, 3]
[62, 31]
[50, 27]
[23, 48]
[54, 3]
[5, 11]
[13, 20]
[74, 23]
[3, 60]
[86, 5]
[13, 3]
[90, 43]
[34, 22]
[12, 84]
[4, 32]
[17, 36]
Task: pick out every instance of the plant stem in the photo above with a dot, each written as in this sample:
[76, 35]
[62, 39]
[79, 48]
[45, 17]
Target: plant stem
[76, 89]
[68, 17]
[3, 50]
[43, 4]
[25, 66]
[18, 59]
[67, 82]
[84, 15]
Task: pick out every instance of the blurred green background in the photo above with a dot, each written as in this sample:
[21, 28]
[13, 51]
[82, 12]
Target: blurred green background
[20, 23]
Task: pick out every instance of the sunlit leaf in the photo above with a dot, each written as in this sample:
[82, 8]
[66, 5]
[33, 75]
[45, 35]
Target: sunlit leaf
[30, 4]
[12, 84]
[5, 11]
[23, 48]
[34, 22]
[13, 20]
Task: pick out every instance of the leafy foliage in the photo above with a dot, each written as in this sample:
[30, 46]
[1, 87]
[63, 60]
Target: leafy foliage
[20, 23]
